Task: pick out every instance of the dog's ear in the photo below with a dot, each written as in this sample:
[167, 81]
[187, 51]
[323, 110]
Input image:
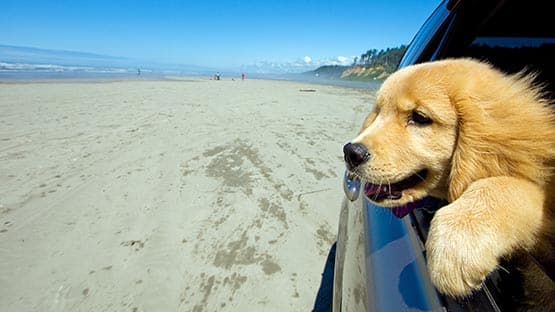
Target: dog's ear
[501, 138]
[486, 146]
[505, 127]
[467, 164]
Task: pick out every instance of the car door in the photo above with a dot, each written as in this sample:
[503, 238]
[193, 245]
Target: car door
[380, 260]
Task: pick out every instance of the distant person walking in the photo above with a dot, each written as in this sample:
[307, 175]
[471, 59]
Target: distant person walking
[138, 71]
[242, 76]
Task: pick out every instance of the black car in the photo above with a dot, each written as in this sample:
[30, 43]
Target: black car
[379, 262]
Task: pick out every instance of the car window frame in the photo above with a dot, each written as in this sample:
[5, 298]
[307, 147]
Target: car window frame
[426, 41]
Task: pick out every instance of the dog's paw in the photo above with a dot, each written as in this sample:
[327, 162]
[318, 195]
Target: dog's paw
[459, 255]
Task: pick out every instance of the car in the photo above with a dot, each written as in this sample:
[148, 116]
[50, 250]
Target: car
[379, 261]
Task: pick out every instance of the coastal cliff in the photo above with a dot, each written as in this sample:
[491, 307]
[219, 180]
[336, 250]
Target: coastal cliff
[372, 65]
[360, 72]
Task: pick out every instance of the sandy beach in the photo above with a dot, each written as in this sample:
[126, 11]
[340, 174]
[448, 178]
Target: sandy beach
[170, 195]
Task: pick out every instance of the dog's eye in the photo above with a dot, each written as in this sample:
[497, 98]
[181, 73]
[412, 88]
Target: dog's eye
[417, 118]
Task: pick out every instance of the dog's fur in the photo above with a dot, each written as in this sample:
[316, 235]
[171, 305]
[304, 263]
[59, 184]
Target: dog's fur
[488, 150]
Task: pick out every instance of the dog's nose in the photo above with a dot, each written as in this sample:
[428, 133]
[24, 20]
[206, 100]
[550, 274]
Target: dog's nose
[355, 154]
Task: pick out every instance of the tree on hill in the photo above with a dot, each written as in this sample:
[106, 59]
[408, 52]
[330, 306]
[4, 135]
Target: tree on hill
[371, 65]
[388, 58]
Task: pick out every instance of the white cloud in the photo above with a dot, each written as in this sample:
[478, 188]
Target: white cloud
[307, 63]
[344, 60]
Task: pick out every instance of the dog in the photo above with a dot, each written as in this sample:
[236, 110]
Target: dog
[463, 131]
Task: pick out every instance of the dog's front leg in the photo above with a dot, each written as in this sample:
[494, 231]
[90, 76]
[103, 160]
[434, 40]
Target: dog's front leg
[490, 220]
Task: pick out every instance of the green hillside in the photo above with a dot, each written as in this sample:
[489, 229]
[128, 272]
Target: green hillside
[372, 65]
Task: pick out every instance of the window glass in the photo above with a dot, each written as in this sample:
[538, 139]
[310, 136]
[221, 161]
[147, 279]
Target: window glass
[509, 43]
[424, 39]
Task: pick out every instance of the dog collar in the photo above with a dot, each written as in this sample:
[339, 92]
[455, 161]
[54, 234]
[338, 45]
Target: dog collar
[405, 209]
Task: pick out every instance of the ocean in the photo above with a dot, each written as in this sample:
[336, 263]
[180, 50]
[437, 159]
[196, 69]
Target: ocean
[30, 72]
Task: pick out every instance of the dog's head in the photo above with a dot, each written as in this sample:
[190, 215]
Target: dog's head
[406, 142]
[437, 127]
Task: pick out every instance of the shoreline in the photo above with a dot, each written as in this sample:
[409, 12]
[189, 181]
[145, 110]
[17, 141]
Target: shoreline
[300, 78]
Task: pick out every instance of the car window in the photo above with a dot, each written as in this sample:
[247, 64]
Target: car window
[426, 40]
[507, 42]
[514, 54]
[513, 36]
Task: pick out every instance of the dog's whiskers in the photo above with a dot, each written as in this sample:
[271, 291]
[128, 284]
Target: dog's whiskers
[389, 188]
[357, 174]
[504, 269]
[419, 176]
[375, 197]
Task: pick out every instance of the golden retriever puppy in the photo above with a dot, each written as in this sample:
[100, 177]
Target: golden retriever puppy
[461, 130]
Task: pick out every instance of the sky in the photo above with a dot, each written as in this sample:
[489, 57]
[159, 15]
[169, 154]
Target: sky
[227, 34]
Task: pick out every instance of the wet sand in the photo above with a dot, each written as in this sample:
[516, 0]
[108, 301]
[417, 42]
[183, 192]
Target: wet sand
[191, 195]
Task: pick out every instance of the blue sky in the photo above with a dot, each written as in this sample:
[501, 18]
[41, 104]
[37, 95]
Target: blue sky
[228, 34]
